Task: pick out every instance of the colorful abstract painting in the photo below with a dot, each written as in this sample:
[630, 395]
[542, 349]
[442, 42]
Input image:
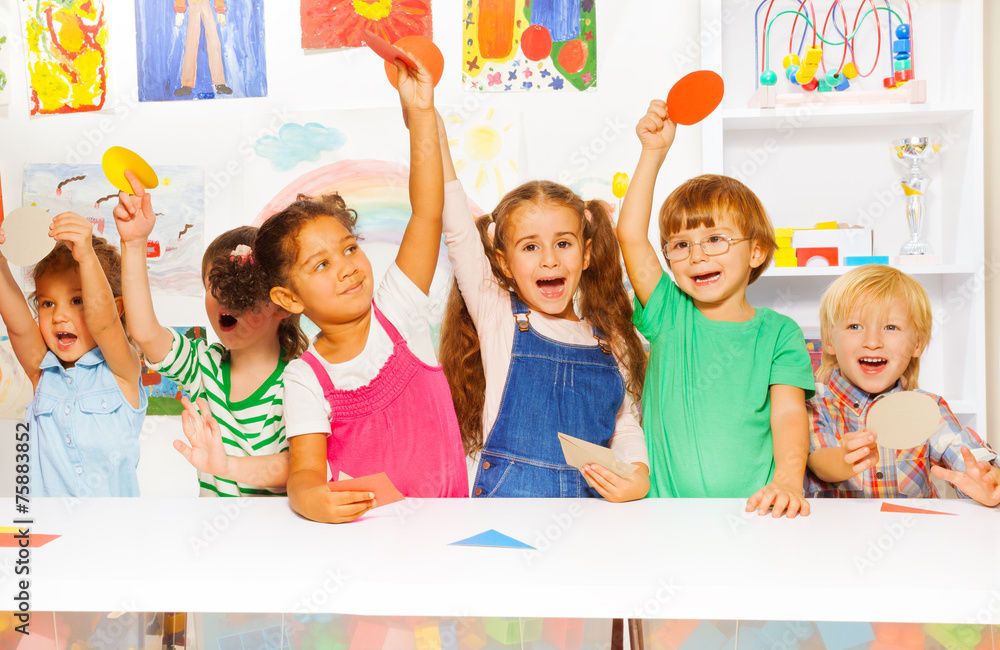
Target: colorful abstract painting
[200, 49]
[15, 388]
[4, 66]
[338, 23]
[177, 242]
[485, 146]
[529, 45]
[165, 393]
[65, 44]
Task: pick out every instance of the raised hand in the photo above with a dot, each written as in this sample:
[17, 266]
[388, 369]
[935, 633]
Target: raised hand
[76, 231]
[134, 215]
[980, 480]
[655, 130]
[415, 85]
[207, 452]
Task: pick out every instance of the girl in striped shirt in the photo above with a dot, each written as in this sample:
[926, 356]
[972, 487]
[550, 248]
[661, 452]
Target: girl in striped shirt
[238, 446]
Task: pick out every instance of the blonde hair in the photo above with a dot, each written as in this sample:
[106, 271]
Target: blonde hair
[874, 286]
[698, 201]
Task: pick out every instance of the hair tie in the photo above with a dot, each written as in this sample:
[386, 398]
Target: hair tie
[491, 230]
[587, 214]
[242, 253]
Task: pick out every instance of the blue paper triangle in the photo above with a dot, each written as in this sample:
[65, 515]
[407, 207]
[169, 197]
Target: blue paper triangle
[492, 538]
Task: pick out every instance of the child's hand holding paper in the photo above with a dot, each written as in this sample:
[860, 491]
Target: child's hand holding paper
[614, 480]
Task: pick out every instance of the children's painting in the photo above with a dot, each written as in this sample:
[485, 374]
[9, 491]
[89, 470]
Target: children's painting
[4, 66]
[200, 49]
[65, 47]
[368, 167]
[164, 393]
[338, 23]
[529, 45]
[15, 388]
[175, 246]
[485, 146]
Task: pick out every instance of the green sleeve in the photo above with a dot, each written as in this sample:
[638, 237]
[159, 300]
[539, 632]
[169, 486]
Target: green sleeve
[791, 365]
[183, 363]
[659, 311]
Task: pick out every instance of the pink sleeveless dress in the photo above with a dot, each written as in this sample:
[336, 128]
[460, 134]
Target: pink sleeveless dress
[402, 423]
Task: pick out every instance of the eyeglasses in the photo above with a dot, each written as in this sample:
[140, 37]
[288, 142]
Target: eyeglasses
[678, 250]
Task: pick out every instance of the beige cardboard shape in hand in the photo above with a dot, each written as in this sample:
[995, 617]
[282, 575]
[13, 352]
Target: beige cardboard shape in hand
[27, 232]
[580, 452]
[904, 420]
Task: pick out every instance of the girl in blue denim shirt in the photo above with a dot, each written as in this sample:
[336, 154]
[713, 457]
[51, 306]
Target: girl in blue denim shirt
[88, 407]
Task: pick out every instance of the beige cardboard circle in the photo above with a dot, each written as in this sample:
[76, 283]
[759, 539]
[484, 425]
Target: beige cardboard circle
[27, 233]
[904, 420]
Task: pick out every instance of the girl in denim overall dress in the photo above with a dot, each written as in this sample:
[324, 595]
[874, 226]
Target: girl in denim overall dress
[368, 395]
[538, 340]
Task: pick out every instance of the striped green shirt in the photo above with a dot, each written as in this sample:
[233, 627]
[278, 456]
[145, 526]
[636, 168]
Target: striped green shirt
[254, 426]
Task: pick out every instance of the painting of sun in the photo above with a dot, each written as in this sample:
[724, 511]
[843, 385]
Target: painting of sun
[338, 23]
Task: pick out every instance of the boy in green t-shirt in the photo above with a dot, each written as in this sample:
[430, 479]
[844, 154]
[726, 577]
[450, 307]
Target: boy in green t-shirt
[724, 400]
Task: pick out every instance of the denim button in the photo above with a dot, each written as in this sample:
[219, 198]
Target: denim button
[79, 470]
[479, 491]
[104, 405]
[68, 441]
[69, 380]
[486, 465]
[67, 410]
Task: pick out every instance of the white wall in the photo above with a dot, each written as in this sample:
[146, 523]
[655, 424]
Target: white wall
[643, 47]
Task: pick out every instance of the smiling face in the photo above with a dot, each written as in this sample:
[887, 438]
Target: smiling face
[874, 346]
[241, 331]
[331, 277]
[545, 255]
[60, 315]
[717, 283]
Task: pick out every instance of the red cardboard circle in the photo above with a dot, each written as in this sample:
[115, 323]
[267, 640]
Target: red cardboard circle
[424, 49]
[694, 97]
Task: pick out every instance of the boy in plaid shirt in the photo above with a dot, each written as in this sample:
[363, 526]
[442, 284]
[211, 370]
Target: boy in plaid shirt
[875, 322]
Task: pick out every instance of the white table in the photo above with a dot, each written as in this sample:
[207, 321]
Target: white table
[656, 558]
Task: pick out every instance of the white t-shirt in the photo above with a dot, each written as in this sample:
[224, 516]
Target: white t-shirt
[407, 308]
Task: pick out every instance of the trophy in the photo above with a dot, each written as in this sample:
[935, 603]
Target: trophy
[914, 152]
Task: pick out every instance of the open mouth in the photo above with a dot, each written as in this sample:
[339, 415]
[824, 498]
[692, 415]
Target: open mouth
[872, 365]
[706, 279]
[65, 340]
[551, 288]
[227, 322]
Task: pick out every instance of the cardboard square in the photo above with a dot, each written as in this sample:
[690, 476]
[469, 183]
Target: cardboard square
[27, 236]
[580, 452]
[904, 420]
[385, 492]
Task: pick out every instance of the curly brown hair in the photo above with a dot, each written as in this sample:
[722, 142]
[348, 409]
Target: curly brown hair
[240, 285]
[276, 247]
[60, 259]
[603, 302]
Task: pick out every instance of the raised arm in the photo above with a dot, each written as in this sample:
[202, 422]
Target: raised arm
[656, 132]
[101, 311]
[25, 337]
[418, 252]
[134, 219]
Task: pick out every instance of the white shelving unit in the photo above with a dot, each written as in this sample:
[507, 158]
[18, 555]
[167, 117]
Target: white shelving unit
[815, 162]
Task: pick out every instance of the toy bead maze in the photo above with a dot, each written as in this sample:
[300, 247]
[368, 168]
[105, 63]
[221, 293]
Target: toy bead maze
[878, 34]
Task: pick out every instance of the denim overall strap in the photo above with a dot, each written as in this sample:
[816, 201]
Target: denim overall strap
[402, 423]
[551, 388]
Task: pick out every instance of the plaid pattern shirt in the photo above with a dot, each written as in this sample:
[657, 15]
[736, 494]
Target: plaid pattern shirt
[840, 407]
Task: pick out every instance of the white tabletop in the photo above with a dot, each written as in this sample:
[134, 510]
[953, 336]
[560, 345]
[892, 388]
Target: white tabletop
[656, 558]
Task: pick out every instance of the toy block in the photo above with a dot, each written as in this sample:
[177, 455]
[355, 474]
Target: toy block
[505, 630]
[564, 632]
[783, 232]
[814, 54]
[471, 633]
[901, 45]
[840, 636]
[805, 255]
[825, 225]
[531, 629]
[825, 87]
[805, 75]
[397, 638]
[889, 82]
[813, 84]
[843, 85]
[901, 56]
[783, 242]
[428, 636]
[791, 73]
[368, 634]
[955, 637]
[789, 60]
[903, 76]
[850, 70]
[905, 64]
[861, 260]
